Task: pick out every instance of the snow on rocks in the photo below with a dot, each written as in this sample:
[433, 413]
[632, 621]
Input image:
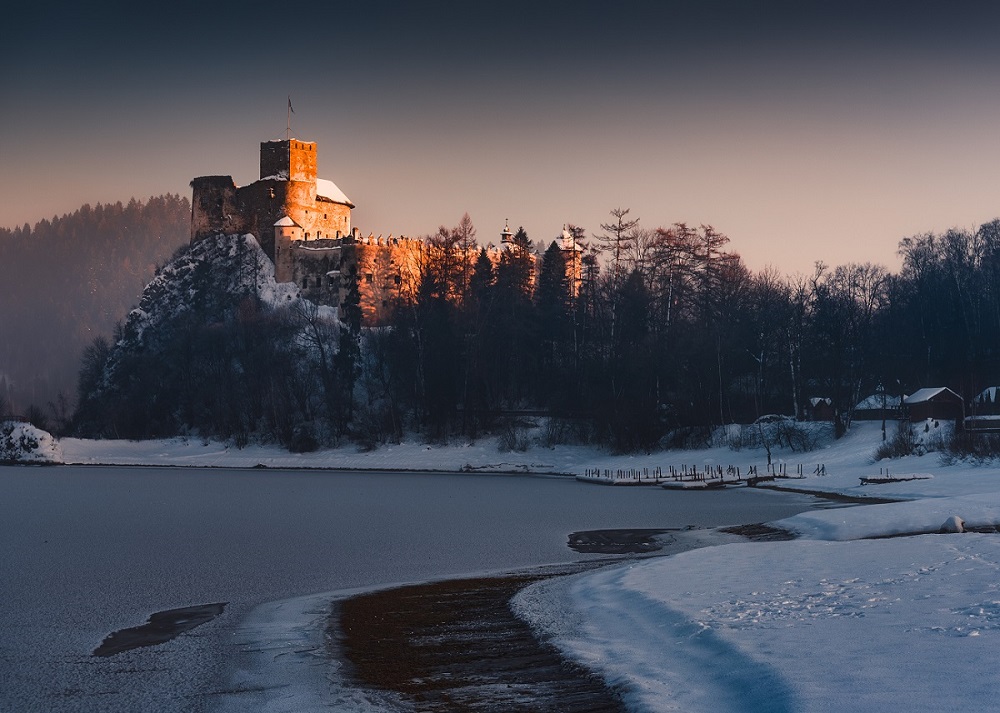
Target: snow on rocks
[23, 443]
[953, 524]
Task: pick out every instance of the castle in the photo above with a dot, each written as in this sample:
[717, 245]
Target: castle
[303, 224]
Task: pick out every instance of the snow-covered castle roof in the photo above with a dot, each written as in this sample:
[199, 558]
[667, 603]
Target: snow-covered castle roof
[328, 190]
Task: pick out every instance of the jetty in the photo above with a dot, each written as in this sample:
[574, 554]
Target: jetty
[691, 477]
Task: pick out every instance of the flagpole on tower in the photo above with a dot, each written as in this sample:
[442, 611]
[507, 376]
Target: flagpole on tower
[288, 123]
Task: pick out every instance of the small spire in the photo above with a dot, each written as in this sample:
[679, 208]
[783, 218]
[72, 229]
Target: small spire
[506, 236]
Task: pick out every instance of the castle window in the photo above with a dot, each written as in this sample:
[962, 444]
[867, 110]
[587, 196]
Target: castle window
[307, 236]
[319, 282]
[369, 277]
[397, 279]
[305, 282]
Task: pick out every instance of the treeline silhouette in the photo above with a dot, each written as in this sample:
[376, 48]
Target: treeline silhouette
[627, 336]
[669, 334]
[66, 281]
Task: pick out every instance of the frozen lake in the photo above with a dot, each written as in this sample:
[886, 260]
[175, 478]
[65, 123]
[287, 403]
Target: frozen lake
[85, 551]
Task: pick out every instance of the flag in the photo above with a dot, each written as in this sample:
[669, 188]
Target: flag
[290, 105]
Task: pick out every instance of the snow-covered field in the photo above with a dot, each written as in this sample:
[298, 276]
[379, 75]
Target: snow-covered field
[827, 622]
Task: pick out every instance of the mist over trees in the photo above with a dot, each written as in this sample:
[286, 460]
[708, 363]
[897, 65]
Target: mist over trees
[70, 279]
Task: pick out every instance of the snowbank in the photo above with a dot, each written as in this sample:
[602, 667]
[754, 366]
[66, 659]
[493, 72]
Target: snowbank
[23, 443]
[889, 625]
[926, 515]
[830, 621]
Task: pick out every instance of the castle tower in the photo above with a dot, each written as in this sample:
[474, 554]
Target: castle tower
[288, 187]
[288, 160]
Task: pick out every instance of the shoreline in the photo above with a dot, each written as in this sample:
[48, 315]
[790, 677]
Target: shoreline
[457, 645]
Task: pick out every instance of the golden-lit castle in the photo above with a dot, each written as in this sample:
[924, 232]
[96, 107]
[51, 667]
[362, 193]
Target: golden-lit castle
[303, 224]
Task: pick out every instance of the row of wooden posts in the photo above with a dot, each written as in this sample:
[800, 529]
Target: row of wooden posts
[708, 472]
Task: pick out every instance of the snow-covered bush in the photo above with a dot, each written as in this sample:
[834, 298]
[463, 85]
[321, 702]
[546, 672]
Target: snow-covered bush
[558, 431]
[514, 437]
[777, 432]
[687, 438]
[23, 443]
[901, 444]
[927, 436]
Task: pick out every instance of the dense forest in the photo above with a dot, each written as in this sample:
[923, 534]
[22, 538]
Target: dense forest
[70, 279]
[669, 333]
[663, 334]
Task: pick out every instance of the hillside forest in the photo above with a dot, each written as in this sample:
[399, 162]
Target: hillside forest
[66, 281]
[666, 334]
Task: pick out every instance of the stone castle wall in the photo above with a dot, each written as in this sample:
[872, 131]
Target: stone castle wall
[215, 207]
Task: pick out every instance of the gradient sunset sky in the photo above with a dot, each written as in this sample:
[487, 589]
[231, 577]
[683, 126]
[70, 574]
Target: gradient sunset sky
[804, 131]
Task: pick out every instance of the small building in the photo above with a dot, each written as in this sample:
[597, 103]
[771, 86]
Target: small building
[934, 402]
[820, 409]
[987, 402]
[879, 406]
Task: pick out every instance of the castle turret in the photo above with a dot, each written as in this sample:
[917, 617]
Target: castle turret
[286, 232]
[506, 237]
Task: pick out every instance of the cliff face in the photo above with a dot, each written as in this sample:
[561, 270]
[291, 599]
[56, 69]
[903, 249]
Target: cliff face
[215, 346]
[204, 282]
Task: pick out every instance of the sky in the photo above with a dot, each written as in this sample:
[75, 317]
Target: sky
[804, 131]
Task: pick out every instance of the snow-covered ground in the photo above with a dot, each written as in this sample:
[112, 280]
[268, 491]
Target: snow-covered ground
[905, 624]
[828, 622]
